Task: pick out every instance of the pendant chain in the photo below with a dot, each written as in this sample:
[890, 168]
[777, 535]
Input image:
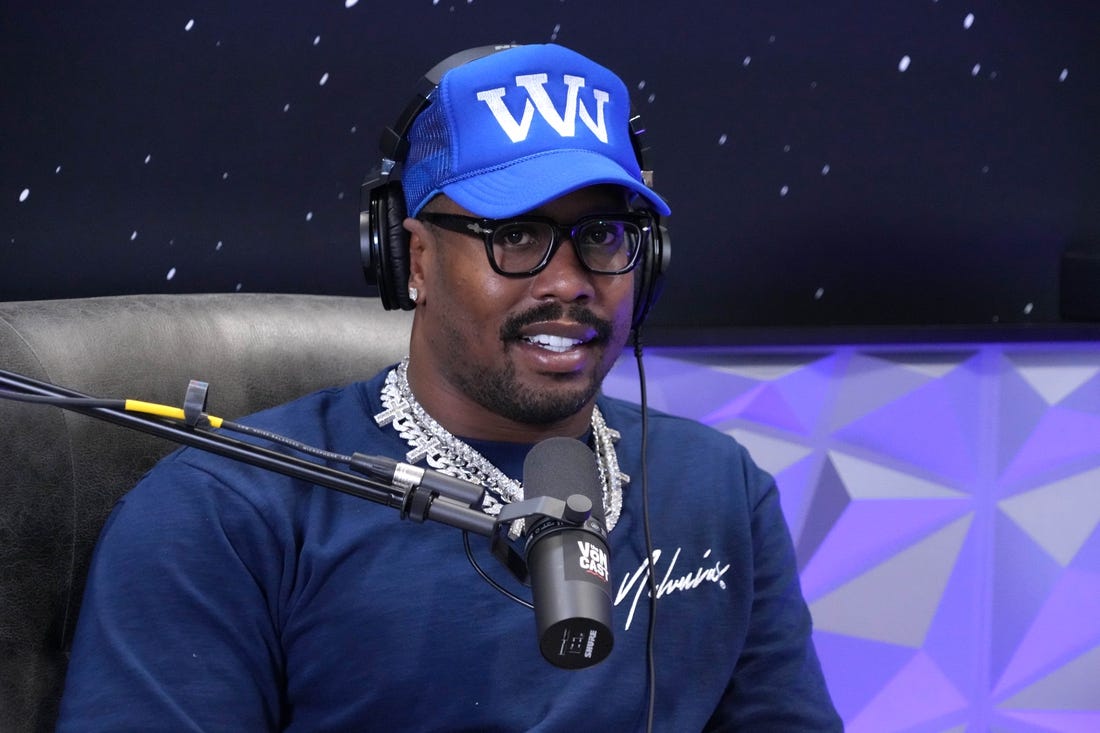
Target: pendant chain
[432, 443]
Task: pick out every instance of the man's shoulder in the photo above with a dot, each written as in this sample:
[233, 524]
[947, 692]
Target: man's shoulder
[315, 408]
[624, 415]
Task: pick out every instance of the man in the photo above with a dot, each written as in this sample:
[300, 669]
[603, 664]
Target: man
[225, 598]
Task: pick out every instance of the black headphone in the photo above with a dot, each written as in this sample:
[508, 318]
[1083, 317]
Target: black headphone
[384, 243]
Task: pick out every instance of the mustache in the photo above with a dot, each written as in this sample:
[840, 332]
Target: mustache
[512, 327]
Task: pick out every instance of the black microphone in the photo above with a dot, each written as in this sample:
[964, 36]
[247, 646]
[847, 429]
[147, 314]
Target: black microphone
[568, 561]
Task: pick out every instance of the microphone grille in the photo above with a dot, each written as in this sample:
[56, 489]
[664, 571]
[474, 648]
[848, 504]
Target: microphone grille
[560, 467]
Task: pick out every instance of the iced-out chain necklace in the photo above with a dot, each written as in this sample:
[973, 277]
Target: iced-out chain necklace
[431, 442]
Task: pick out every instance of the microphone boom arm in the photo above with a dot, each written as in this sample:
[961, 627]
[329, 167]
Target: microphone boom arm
[416, 503]
[441, 499]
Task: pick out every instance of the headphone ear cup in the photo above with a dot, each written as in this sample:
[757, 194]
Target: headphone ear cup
[396, 242]
[652, 269]
[384, 244]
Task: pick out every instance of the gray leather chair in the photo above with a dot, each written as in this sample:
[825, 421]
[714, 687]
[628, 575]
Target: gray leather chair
[61, 472]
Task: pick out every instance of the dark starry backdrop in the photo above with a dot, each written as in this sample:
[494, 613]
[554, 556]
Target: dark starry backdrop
[856, 163]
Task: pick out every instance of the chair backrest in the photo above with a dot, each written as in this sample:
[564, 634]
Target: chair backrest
[61, 472]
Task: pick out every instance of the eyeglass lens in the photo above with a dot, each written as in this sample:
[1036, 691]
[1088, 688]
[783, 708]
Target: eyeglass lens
[604, 245]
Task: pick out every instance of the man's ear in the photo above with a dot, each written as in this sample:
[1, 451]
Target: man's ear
[419, 237]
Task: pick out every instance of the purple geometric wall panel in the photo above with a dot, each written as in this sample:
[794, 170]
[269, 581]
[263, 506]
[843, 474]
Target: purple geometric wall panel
[945, 507]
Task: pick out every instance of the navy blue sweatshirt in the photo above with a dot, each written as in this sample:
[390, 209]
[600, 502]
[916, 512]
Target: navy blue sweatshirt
[226, 598]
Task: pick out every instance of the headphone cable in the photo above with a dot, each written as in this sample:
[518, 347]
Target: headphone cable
[651, 665]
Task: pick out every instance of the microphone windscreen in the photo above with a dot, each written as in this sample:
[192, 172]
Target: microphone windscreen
[560, 467]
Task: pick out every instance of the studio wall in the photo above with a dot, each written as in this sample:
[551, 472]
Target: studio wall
[843, 164]
[945, 507]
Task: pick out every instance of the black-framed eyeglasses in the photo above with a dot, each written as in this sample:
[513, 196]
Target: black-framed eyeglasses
[606, 244]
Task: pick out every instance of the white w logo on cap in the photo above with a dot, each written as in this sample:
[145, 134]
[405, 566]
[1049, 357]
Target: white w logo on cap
[564, 124]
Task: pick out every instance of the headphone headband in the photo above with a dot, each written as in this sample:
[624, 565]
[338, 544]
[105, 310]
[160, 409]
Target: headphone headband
[395, 141]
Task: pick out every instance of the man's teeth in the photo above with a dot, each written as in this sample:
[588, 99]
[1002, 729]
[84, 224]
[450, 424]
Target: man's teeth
[553, 343]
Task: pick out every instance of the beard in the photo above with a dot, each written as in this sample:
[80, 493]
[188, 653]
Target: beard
[498, 389]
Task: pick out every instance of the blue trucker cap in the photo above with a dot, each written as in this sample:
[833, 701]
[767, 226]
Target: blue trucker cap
[508, 132]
